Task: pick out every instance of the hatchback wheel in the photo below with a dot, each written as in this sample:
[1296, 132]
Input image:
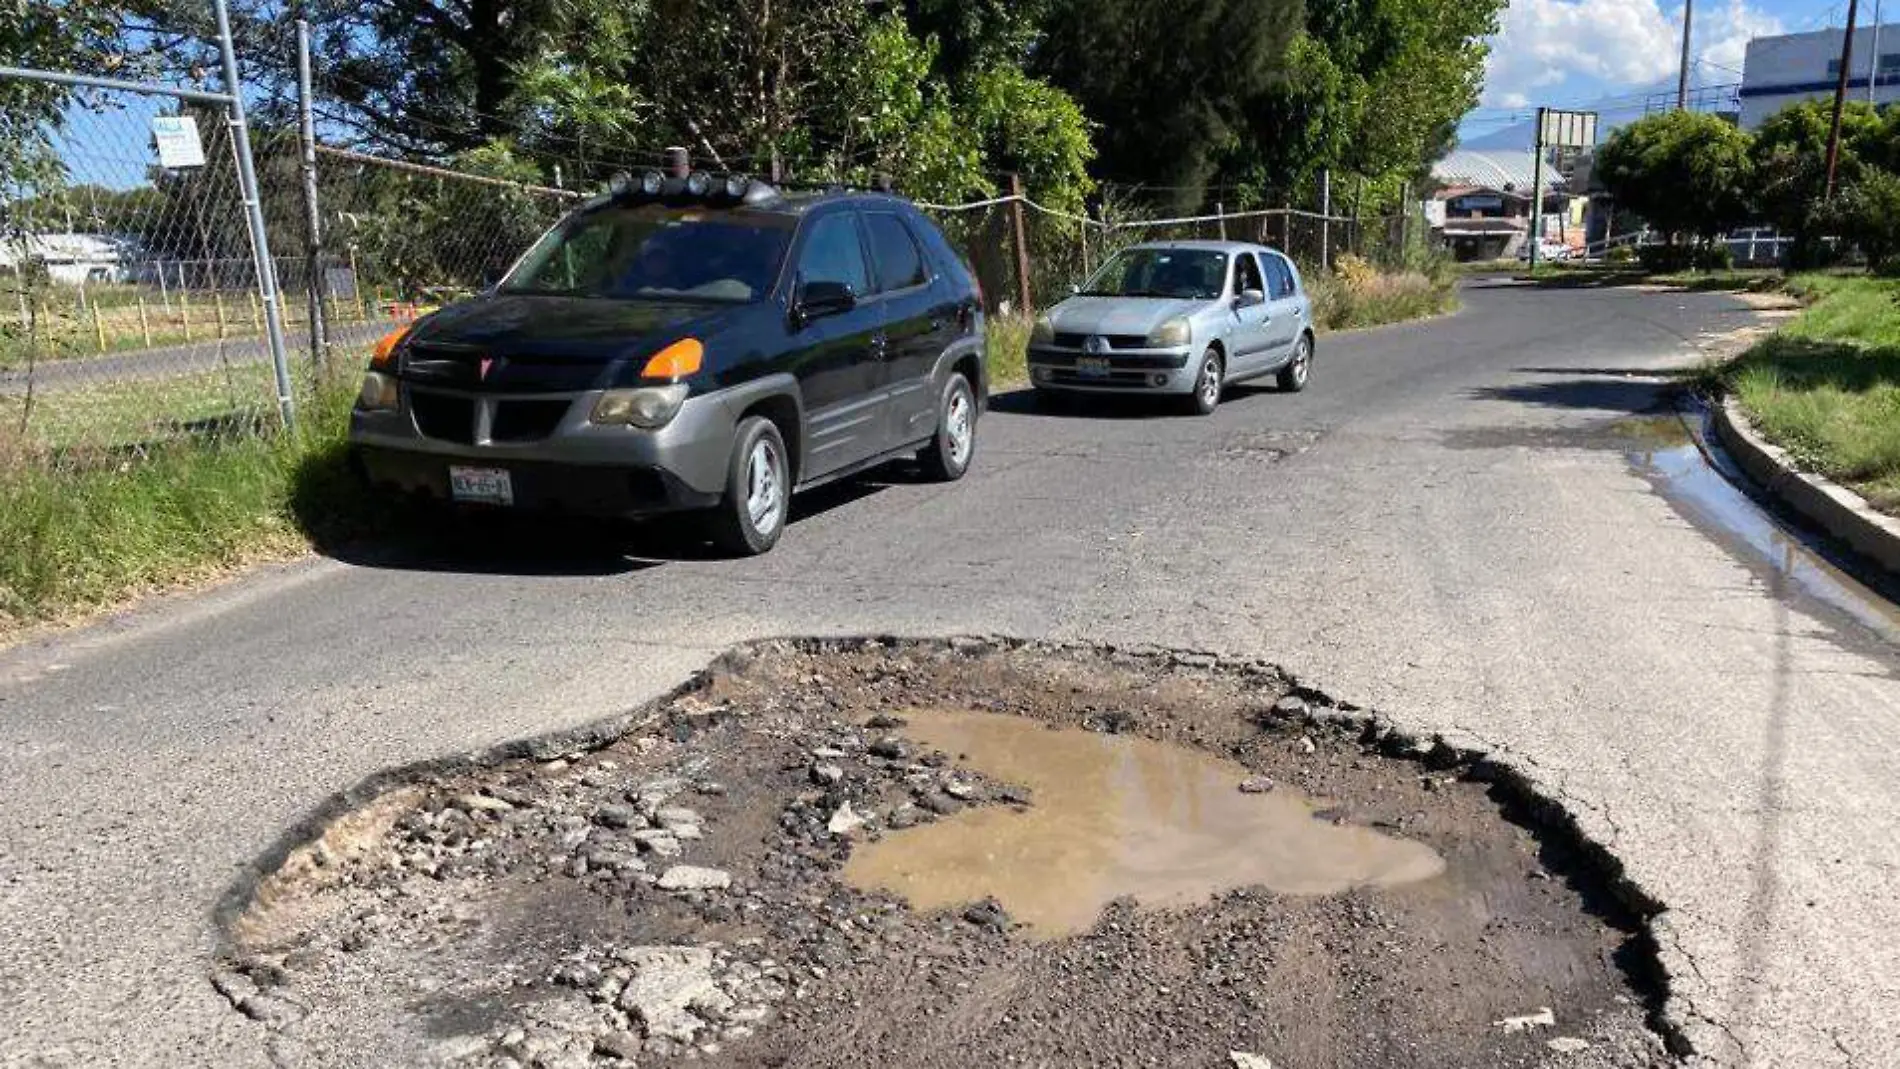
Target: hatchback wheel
[948, 455]
[758, 490]
[1293, 375]
[1207, 384]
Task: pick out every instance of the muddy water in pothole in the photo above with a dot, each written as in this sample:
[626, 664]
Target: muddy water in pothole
[1114, 816]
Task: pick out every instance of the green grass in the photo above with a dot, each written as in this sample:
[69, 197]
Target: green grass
[120, 414]
[98, 528]
[1006, 350]
[1827, 386]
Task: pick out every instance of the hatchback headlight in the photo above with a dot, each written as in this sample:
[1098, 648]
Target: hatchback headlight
[647, 406]
[379, 393]
[1044, 332]
[1176, 331]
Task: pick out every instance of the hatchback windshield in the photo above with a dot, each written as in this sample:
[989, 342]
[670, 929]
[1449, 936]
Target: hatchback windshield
[1189, 273]
[657, 254]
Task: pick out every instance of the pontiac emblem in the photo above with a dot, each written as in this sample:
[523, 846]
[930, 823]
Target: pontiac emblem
[487, 362]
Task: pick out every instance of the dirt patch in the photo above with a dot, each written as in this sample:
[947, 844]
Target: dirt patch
[680, 893]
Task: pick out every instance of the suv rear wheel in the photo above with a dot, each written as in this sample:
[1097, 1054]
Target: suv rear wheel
[948, 455]
[758, 490]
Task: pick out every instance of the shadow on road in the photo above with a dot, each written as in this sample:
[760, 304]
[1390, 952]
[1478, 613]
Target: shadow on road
[1601, 393]
[348, 521]
[1029, 402]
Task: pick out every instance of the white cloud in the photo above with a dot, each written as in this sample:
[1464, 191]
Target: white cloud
[1614, 44]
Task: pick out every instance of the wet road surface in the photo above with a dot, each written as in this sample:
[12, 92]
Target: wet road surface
[1445, 527]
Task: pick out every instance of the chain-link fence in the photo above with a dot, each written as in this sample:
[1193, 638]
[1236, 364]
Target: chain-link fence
[132, 313]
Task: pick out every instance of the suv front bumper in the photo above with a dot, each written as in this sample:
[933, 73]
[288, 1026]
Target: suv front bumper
[578, 467]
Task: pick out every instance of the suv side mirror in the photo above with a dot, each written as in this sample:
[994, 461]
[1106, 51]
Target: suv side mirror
[818, 298]
[1249, 298]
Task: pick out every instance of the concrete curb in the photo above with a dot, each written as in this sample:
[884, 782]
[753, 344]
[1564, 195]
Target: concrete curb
[1525, 797]
[1834, 508]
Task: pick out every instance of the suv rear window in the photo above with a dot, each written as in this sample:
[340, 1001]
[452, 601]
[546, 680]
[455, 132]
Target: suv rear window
[899, 263]
[652, 253]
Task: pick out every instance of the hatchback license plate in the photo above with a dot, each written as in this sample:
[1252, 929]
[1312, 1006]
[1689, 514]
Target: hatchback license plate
[1092, 367]
[487, 486]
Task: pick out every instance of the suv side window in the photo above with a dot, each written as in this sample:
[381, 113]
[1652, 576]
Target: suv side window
[900, 265]
[1247, 275]
[833, 253]
[1282, 276]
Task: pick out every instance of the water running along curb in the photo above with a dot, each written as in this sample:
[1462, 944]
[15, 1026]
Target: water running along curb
[1837, 510]
[1522, 794]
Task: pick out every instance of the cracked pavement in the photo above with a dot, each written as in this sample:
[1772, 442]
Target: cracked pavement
[1440, 529]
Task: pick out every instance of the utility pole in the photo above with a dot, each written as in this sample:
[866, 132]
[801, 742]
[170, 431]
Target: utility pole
[1682, 80]
[313, 222]
[1537, 192]
[1840, 100]
[1873, 61]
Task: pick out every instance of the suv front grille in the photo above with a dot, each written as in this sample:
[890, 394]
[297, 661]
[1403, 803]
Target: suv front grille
[526, 421]
[450, 419]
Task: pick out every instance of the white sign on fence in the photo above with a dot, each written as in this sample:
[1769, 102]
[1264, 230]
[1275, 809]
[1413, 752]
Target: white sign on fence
[177, 140]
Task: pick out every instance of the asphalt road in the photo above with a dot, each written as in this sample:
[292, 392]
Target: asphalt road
[350, 340]
[1448, 526]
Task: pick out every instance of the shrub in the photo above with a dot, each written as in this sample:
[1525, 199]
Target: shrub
[1868, 214]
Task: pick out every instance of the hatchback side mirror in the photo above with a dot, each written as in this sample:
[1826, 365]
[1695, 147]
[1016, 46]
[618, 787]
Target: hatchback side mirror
[820, 298]
[1249, 298]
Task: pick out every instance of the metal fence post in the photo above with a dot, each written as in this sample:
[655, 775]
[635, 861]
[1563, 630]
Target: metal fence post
[254, 210]
[313, 224]
[1325, 218]
[1022, 240]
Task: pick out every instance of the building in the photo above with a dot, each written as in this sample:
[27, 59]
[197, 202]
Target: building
[1482, 208]
[1785, 70]
[72, 259]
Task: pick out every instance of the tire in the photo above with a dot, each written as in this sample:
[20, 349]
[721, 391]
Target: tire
[1207, 384]
[758, 496]
[949, 453]
[1293, 376]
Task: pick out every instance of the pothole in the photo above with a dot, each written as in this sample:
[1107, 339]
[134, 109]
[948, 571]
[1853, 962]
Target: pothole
[925, 854]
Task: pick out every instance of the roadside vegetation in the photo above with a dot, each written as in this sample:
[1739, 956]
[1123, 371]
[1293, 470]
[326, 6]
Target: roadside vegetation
[1827, 386]
[1358, 294]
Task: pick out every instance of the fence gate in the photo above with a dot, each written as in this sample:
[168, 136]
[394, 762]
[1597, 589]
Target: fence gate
[138, 302]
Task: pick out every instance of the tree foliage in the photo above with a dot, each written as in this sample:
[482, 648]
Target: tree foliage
[1686, 172]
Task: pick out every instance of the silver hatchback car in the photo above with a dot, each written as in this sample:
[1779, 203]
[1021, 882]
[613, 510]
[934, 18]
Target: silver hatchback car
[1182, 318]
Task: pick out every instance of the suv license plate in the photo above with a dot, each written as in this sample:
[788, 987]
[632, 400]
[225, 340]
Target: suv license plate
[487, 486]
[1092, 367]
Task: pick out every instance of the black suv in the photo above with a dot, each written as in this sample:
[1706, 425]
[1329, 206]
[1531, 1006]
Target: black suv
[688, 343]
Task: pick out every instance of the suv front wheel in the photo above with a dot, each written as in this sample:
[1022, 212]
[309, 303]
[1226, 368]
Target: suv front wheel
[948, 455]
[758, 490]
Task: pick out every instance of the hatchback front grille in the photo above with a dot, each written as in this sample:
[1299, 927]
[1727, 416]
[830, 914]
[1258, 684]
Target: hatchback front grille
[1065, 340]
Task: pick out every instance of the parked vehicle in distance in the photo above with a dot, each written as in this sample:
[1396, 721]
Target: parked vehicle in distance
[690, 344]
[1547, 252]
[1178, 318]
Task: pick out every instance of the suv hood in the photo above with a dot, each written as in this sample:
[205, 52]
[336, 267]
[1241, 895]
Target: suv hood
[1119, 315]
[580, 330]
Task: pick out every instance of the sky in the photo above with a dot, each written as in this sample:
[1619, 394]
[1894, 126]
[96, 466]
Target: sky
[1608, 55]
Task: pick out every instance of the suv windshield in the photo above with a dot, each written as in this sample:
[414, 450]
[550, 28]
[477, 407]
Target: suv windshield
[652, 253]
[1189, 273]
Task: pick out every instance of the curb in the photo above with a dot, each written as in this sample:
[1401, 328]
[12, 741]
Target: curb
[1835, 509]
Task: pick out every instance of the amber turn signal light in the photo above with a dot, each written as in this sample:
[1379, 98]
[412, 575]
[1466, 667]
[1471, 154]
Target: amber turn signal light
[385, 349]
[676, 361]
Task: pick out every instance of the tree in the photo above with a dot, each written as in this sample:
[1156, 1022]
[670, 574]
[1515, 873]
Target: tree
[1168, 82]
[1867, 213]
[1789, 158]
[1688, 173]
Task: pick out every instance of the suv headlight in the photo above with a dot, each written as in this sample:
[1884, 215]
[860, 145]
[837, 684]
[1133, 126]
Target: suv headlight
[379, 392]
[647, 406]
[1044, 332]
[1176, 331]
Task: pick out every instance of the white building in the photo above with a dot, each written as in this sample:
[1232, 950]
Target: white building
[1785, 70]
[72, 259]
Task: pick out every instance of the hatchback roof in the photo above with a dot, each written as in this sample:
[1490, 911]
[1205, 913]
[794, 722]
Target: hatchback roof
[1204, 245]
